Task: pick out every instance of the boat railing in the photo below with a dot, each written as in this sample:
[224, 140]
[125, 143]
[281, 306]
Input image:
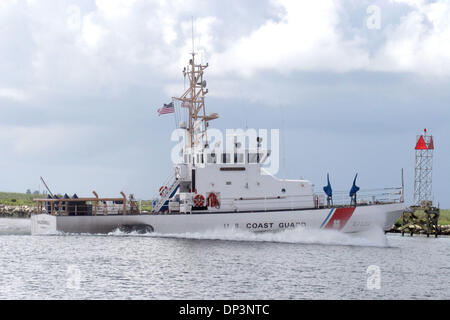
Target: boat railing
[367, 196]
[164, 192]
[88, 206]
[340, 199]
[122, 206]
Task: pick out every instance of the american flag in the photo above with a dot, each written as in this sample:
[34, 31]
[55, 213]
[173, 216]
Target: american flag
[168, 108]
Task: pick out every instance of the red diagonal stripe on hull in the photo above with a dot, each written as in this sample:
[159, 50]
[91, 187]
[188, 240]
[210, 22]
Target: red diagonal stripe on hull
[340, 218]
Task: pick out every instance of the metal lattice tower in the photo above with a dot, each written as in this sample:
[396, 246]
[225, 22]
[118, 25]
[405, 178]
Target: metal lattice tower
[424, 169]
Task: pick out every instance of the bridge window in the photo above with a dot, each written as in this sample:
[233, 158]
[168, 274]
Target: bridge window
[253, 157]
[211, 158]
[226, 158]
[238, 158]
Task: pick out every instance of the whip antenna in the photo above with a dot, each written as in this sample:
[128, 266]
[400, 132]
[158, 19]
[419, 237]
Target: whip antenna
[48, 189]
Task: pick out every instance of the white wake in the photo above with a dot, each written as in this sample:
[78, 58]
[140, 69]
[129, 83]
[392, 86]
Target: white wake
[372, 238]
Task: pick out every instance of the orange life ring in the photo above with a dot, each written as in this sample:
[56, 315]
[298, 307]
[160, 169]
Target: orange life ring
[163, 191]
[212, 200]
[199, 200]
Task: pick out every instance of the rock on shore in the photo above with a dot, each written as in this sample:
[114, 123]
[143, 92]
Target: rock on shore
[16, 211]
[419, 229]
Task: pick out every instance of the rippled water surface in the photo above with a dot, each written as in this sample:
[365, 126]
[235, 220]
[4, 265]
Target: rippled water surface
[295, 264]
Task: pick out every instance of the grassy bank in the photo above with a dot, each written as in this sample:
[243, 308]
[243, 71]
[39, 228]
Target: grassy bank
[444, 217]
[17, 199]
[147, 205]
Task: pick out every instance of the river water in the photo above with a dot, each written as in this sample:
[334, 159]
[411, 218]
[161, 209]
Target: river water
[295, 264]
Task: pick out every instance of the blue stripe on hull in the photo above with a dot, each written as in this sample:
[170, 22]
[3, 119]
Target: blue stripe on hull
[327, 218]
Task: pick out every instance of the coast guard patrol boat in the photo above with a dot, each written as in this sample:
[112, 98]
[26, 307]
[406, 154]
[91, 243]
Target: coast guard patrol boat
[213, 190]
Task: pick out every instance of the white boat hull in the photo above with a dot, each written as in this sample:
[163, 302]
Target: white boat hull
[347, 220]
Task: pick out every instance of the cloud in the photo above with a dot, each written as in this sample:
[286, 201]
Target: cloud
[115, 9]
[91, 32]
[12, 94]
[43, 142]
[313, 38]
[114, 43]
[420, 42]
[306, 38]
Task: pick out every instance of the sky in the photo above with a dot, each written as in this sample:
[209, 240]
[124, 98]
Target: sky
[348, 83]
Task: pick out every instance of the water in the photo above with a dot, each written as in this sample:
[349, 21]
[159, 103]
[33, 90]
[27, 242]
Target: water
[294, 264]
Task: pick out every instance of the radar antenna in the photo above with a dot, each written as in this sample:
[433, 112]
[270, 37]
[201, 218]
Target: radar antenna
[194, 99]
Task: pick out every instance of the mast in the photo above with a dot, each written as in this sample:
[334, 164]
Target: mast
[194, 98]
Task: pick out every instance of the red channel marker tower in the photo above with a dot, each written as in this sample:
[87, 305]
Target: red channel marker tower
[423, 177]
